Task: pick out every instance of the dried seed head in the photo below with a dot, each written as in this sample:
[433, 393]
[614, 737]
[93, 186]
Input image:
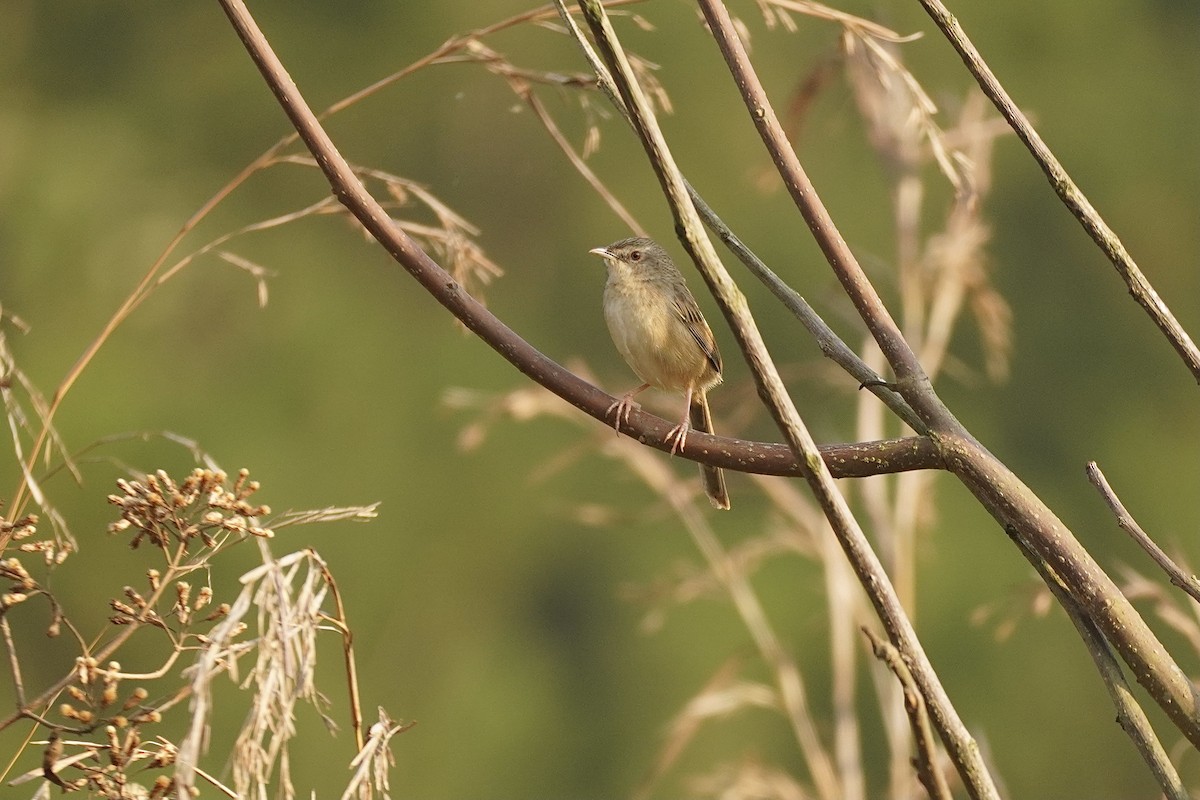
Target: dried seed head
[162, 787]
[136, 697]
[122, 607]
[135, 597]
[165, 755]
[115, 755]
[146, 717]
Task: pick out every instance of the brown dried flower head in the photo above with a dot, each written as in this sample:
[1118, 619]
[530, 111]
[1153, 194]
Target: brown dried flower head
[202, 506]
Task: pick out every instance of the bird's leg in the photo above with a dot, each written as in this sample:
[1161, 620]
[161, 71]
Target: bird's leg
[677, 436]
[624, 406]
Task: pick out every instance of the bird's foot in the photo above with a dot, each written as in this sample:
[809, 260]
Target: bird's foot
[623, 407]
[677, 437]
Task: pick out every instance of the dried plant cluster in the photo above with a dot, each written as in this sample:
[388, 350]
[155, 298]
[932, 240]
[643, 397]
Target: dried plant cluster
[101, 726]
[200, 508]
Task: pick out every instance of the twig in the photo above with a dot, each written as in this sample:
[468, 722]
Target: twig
[1074, 199]
[1126, 522]
[577, 161]
[925, 761]
[1130, 715]
[339, 622]
[963, 750]
[13, 662]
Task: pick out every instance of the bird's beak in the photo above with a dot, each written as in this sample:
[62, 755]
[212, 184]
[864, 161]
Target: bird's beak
[600, 251]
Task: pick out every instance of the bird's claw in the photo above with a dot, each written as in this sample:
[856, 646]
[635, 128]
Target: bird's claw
[623, 407]
[677, 436]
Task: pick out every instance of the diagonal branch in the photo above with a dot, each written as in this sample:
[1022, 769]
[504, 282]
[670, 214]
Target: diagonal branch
[1125, 521]
[1074, 199]
[863, 559]
[885, 331]
[1013, 504]
[1130, 715]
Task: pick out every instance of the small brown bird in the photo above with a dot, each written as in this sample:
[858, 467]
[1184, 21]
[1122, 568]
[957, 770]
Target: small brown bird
[659, 330]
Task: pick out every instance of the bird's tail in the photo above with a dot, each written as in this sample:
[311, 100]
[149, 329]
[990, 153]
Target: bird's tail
[700, 419]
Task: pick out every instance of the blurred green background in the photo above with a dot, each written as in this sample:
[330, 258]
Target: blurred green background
[482, 607]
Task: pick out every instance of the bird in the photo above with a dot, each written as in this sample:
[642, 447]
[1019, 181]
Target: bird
[659, 330]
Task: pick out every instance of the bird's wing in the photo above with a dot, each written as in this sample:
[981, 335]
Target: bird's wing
[689, 313]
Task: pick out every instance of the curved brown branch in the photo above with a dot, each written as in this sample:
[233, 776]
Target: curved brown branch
[1074, 199]
[856, 460]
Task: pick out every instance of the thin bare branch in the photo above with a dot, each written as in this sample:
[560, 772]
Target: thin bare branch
[1125, 521]
[1070, 194]
[1001, 492]
[1130, 715]
[961, 745]
[926, 760]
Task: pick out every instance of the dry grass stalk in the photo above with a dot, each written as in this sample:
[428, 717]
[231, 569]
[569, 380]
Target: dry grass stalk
[749, 779]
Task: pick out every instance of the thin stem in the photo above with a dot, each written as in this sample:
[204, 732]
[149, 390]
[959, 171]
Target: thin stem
[925, 760]
[13, 662]
[1070, 194]
[964, 752]
[1130, 715]
[343, 627]
[1126, 522]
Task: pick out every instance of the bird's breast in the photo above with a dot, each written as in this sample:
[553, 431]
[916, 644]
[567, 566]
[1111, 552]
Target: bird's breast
[652, 338]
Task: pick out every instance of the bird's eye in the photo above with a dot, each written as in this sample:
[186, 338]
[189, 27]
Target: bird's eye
[636, 255]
